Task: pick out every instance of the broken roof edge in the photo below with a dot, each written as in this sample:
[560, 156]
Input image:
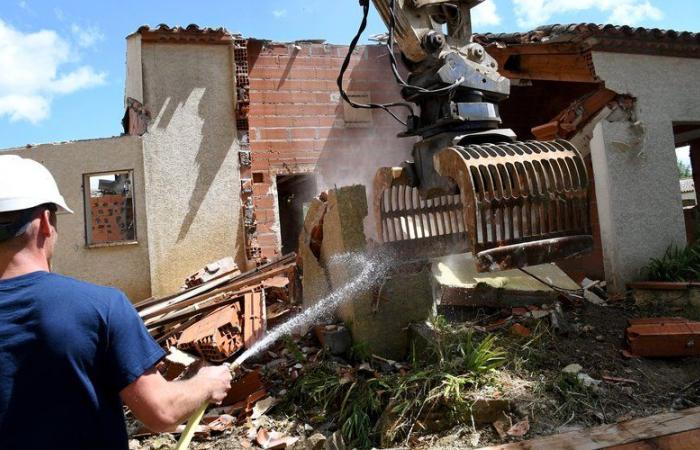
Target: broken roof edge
[29, 147]
[603, 37]
[191, 34]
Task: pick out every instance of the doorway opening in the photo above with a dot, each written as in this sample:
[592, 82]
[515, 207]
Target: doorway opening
[687, 140]
[294, 193]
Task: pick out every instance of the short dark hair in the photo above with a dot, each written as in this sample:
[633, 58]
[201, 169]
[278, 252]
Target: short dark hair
[13, 223]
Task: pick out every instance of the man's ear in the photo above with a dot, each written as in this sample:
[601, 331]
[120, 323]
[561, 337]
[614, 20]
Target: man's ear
[45, 228]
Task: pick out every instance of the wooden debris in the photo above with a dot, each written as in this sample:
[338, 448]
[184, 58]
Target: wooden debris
[223, 311]
[212, 271]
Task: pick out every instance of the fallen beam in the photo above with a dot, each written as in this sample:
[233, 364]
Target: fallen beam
[621, 436]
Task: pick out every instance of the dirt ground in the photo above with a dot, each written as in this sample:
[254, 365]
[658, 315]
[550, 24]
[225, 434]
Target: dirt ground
[532, 378]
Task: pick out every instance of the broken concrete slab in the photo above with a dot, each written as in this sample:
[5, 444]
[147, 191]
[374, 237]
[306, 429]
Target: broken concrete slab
[458, 283]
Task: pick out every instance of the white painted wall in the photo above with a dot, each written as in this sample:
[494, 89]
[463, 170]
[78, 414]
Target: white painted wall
[191, 160]
[636, 177]
[123, 266]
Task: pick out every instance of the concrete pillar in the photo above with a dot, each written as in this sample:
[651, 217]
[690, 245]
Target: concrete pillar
[639, 201]
[377, 315]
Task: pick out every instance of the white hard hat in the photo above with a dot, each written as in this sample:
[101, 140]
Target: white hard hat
[25, 183]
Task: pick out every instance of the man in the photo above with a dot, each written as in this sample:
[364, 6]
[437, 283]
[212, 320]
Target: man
[71, 352]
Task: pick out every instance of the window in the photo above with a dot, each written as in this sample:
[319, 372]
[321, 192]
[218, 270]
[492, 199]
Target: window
[110, 217]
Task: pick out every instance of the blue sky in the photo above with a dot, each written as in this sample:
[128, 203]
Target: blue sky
[62, 62]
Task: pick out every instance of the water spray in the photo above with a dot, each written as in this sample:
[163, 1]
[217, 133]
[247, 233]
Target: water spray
[369, 270]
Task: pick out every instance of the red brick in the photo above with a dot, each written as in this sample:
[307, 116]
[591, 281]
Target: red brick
[260, 190]
[260, 165]
[267, 201]
[267, 240]
[304, 133]
[274, 134]
[270, 251]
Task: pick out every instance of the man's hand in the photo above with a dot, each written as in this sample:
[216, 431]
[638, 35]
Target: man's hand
[218, 381]
[161, 405]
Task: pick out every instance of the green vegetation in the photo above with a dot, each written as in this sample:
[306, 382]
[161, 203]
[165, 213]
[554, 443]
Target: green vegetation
[675, 265]
[684, 170]
[356, 400]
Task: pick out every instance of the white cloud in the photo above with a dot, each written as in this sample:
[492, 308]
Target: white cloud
[33, 73]
[486, 14]
[279, 13]
[87, 36]
[531, 13]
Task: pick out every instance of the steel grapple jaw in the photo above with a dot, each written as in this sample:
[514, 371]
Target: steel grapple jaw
[517, 204]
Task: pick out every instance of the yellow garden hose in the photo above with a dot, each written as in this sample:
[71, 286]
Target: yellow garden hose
[194, 420]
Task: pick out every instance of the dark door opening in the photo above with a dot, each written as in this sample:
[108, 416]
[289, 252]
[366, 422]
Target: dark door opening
[294, 193]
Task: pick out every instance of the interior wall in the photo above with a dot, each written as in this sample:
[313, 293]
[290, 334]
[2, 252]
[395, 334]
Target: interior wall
[123, 266]
[191, 160]
[298, 123]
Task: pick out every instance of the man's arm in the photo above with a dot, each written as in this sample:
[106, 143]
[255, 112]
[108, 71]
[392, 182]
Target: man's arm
[162, 405]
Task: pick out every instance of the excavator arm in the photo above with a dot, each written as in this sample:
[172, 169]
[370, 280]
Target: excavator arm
[471, 186]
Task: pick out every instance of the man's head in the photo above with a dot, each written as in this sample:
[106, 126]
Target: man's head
[29, 200]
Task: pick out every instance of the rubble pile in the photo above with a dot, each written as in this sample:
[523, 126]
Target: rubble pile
[475, 374]
[221, 310]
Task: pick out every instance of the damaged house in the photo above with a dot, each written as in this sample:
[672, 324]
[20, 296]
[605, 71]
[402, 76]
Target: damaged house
[227, 139]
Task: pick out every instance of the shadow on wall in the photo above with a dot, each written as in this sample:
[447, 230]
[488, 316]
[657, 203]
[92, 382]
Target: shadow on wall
[215, 145]
[353, 152]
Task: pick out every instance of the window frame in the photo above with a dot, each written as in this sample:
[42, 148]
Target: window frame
[87, 213]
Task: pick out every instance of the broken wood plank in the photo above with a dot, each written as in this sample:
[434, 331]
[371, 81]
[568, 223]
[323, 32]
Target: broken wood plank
[609, 436]
[158, 308]
[234, 286]
[688, 440]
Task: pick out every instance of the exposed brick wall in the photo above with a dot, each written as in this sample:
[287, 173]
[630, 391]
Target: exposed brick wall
[297, 121]
[297, 125]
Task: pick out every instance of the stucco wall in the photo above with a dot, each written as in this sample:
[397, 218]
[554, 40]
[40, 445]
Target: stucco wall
[133, 86]
[636, 177]
[125, 267]
[191, 160]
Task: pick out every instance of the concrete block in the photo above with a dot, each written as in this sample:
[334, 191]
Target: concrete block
[379, 315]
[343, 232]
[382, 323]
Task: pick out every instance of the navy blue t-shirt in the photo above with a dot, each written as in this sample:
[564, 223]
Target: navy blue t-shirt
[67, 348]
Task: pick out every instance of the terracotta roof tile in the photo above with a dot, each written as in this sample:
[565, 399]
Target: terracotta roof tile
[604, 37]
[192, 33]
